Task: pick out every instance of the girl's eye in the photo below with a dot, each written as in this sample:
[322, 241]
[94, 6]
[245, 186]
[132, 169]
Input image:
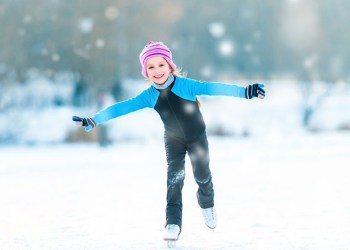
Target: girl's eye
[151, 67]
[161, 65]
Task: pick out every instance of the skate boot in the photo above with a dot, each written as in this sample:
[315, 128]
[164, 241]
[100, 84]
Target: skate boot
[171, 234]
[209, 216]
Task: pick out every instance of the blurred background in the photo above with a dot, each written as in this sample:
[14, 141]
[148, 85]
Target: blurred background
[279, 165]
[60, 58]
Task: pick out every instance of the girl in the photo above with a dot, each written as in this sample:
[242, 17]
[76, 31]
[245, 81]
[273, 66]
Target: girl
[174, 98]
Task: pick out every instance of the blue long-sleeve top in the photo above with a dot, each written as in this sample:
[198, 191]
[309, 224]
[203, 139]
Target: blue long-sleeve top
[176, 105]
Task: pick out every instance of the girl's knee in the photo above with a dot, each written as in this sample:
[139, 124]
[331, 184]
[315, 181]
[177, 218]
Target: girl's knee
[203, 180]
[175, 177]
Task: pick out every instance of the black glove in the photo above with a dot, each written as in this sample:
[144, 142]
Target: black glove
[88, 123]
[255, 90]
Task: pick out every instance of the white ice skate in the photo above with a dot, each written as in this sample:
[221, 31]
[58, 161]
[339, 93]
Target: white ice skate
[209, 216]
[171, 234]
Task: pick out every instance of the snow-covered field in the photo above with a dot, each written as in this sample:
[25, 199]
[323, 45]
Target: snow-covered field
[272, 193]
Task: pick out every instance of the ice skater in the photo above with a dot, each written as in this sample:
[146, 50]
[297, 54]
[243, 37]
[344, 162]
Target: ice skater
[174, 97]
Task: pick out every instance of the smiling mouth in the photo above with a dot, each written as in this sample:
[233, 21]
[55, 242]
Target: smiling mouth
[159, 76]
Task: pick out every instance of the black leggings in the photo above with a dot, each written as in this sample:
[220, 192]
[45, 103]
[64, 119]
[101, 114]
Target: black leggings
[198, 152]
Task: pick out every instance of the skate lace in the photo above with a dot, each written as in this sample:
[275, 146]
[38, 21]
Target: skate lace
[209, 216]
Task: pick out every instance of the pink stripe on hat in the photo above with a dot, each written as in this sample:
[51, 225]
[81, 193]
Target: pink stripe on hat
[155, 49]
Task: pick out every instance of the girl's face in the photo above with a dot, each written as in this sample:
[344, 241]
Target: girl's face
[158, 69]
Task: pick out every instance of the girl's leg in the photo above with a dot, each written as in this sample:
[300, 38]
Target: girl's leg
[175, 154]
[198, 152]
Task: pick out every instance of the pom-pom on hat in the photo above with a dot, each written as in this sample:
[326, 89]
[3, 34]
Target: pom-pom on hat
[155, 49]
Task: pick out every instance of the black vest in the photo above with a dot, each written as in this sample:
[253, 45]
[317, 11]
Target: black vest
[182, 118]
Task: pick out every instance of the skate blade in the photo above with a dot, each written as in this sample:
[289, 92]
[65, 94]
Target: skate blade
[170, 238]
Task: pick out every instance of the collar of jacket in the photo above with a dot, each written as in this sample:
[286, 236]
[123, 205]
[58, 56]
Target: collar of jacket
[166, 84]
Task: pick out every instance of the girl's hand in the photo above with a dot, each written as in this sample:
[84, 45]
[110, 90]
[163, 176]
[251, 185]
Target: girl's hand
[88, 123]
[255, 90]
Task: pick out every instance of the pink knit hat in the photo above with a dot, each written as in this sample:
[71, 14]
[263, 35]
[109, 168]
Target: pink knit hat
[155, 49]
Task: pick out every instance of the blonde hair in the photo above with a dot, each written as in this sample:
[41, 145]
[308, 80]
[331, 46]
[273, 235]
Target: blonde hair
[179, 72]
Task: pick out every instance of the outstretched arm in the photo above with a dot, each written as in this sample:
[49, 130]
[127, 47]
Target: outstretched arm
[218, 88]
[143, 100]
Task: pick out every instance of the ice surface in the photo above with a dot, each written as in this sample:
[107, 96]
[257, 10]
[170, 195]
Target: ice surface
[289, 192]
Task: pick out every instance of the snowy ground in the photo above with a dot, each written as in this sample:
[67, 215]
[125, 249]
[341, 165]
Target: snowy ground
[272, 193]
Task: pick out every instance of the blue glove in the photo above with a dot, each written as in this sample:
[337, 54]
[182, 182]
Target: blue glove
[88, 123]
[255, 90]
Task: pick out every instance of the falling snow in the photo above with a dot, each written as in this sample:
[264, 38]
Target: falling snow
[226, 48]
[100, 43]
[111, 13]
[217, 29]
[86, 25]
[189, 108]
